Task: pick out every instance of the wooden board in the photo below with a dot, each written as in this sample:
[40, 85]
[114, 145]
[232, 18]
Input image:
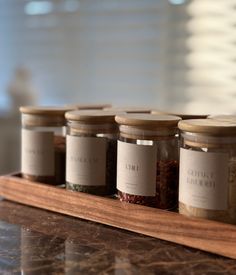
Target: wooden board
[206, 235]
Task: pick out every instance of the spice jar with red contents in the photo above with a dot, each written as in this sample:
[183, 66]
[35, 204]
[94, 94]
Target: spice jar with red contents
[43, 144]
[91, 152]
[147, 160]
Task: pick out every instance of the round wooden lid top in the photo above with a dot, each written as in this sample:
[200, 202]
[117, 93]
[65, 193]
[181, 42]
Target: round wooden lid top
[45, 110]
[92, 116]
[228, 118]
[131, 110]
[148, 120]
[182, 115]
[90, 106]
[208, 126]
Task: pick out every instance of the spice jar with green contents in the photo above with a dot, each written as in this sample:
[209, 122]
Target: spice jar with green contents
[147, 161]
[208, 169]
[91, 152]
[43, 144]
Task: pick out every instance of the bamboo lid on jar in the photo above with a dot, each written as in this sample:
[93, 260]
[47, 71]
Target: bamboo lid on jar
[90, 106]
[227, 118]
[92, 116]
[182, 115]
[40, 116]
[148, 120]
[208, 126]
[130, 110]
[45, 110]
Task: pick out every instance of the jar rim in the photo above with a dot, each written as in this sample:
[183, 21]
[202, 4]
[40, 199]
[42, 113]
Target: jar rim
[92, 128]
[138, 133]
[35, 120]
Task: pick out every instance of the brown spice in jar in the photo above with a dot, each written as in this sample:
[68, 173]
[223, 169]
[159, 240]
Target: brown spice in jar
[166, 188]
[60, 163]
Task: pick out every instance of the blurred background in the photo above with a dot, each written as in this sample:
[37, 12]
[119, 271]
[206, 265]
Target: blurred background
[175, 55]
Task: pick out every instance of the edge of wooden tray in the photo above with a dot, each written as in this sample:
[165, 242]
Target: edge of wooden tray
[210, 236]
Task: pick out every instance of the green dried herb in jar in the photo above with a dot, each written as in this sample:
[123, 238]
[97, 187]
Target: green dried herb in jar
[43, 144]
[147, 161]
[91, 152]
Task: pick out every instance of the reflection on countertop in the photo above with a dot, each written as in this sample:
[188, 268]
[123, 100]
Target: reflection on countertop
[34, 241]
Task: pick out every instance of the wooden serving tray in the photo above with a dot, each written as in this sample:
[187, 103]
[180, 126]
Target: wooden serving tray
[210, 236]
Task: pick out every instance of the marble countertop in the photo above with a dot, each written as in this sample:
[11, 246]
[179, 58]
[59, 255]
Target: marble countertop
[34, 241]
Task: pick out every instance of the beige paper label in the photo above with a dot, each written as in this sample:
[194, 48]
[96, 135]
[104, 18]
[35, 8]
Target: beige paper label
[37, 153]
[136, 169]
[86, 160]
[203, 180]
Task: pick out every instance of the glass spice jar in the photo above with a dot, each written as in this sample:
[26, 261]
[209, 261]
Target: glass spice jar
[147, 161]
[91, 152]
[208, 169]
[43, 144]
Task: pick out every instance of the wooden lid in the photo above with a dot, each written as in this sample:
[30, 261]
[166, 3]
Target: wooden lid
[130, 109]
[44, 110]
[182, 115]
[228, 118]
[208, 126]
[148, 120]
[92, 116]
[91, 106]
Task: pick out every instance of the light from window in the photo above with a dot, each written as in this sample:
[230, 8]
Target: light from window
[177, 2]
[38, 7]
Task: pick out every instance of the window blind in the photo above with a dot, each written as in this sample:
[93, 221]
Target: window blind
[121, 51]
[212, 55]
